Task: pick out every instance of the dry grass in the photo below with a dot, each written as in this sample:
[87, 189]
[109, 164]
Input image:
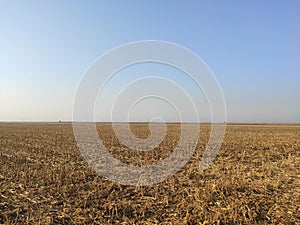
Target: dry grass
[255, 179]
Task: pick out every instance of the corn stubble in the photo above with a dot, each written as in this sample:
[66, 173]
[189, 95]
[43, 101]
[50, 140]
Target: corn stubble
[255, 178]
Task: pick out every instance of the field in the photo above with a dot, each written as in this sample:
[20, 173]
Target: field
[255, 178]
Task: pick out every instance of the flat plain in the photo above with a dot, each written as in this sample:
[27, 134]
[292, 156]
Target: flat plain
[255, 179]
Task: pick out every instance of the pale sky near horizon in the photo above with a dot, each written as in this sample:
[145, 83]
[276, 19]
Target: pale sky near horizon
[252, 47]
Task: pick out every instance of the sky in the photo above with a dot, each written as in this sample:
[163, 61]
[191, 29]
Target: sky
[252, 47]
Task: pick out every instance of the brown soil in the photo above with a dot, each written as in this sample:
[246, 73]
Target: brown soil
[255, 178]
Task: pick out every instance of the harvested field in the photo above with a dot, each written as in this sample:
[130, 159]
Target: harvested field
[255, 178]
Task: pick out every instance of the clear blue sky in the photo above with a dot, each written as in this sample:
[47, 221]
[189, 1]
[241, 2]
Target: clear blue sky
[252, 47]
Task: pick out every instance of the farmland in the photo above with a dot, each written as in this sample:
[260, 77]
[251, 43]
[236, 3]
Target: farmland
[255, 178]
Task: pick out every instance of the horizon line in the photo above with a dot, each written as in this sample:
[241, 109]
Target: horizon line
[167, 122]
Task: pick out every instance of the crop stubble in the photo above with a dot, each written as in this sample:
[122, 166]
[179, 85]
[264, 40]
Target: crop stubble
[255, 178]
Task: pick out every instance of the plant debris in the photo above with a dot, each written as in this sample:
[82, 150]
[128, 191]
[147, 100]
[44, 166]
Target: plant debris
[255, 178]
